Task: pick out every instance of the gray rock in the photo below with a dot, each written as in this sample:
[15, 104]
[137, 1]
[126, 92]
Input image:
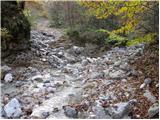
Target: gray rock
[8, 77]
[96, 75]
[121, 109]
[51, 89]
[19, 83]
[133, 72]
[117, 63]
[153, 110]
[55, 110]
[117, 74]
[77, 50]
[84, 62]
[13, 109]
[38, 78]
[125, 67]
[4, 70]
[70, 58]
[45, 115]
[3, 114]
[149, 96]
[147, 81]
[70, 112]
[106, 72]
[100, 113]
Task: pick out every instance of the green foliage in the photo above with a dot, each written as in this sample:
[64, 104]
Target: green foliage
[14, 20]
[133, 16]
[83, 36]
[147, 38]
[5, 35]
[31, 18]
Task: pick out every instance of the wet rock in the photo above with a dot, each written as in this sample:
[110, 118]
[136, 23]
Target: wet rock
[149, 96]
[8, 77]
[70, 112]
[153, 110]
[4, 70]
[120, 110]
[13, 109]
[45, 115]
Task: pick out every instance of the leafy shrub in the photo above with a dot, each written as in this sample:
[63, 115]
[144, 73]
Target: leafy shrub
[14, 20]
[87, 36]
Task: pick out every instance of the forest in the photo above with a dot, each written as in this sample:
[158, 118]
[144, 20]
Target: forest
[80, 59]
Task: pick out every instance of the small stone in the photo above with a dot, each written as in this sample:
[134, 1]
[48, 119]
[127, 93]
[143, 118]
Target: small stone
[147, 81]
[150, 96]
[84, 62]
[55, 110]
[4, 70]
[27, 109]
[19, 84]
[6, 99]
[8, 77]
[47, 85]
[51, 90]
[153, 110]
[157, 85]
[3, 114]
[134, 73]
[142, 86]
[124, 80]
[44, 59]
[45, 115]
[38, 78]
[47, 81]
[116, 64]
[96, 75]
[13, 109]
[70, 112]
[117, 74]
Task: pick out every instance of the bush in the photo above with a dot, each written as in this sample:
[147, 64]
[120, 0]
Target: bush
[83, 36]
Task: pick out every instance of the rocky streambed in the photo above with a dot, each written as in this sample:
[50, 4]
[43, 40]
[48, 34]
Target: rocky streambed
[59, 82]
